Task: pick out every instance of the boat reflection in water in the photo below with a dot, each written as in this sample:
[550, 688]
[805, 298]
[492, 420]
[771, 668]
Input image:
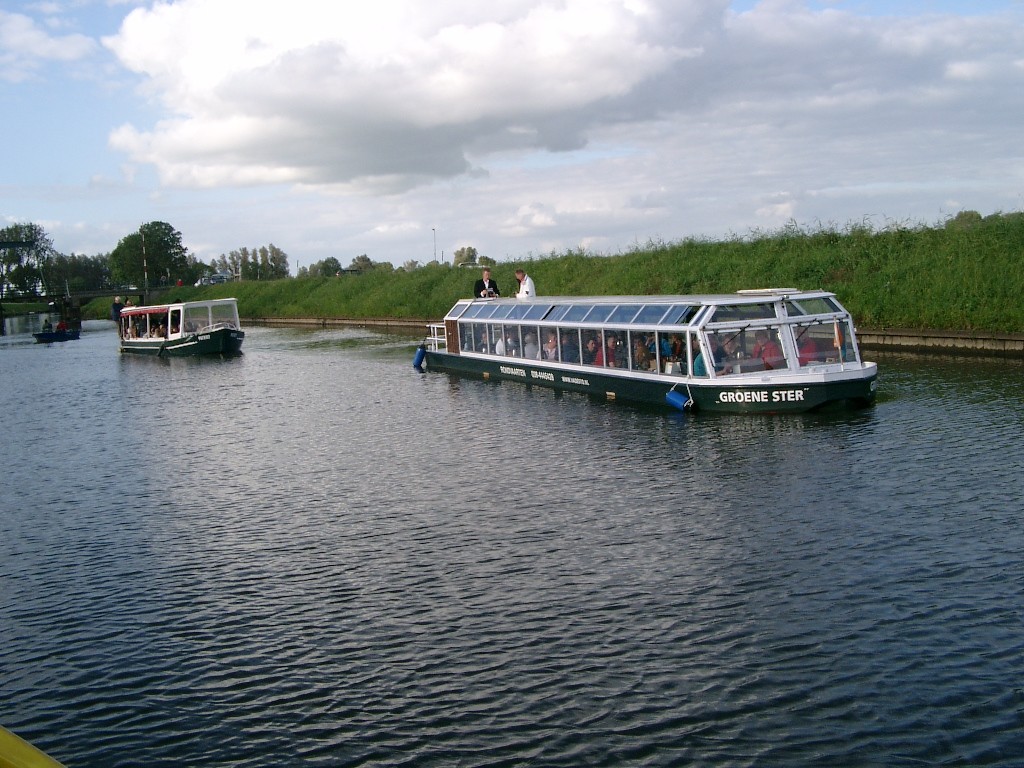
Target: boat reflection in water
[762, 351]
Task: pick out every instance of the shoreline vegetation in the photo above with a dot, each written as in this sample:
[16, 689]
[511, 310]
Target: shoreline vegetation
[965, 276]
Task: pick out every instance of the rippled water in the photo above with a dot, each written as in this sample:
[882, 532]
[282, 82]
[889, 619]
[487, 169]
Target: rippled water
[313, 555]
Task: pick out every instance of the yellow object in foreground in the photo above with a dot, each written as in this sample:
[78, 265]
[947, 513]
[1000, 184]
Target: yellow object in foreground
[15, 752]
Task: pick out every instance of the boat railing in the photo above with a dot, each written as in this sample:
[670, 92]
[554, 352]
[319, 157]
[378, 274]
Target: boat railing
[435, 337]
[221, 324]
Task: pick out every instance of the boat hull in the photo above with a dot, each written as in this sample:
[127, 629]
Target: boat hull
[789, 395]
[49, 337]
[223, 341]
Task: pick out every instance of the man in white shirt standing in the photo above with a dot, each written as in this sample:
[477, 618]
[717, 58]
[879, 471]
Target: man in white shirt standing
[526, 287]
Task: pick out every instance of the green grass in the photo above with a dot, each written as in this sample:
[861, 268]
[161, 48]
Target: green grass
[966, 274]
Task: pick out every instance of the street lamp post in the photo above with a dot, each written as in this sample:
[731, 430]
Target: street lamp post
[432, 229]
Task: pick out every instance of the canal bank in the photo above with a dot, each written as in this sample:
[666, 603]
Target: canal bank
[888, 339]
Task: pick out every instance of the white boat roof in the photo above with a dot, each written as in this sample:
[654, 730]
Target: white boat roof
[740, 297]
[159, 308]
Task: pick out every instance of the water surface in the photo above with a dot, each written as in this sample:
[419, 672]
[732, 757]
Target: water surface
[313, 555]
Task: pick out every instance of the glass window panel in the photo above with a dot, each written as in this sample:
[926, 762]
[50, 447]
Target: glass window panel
[816, 344]
[558, 313]
[591, 346]
[502, 311]
[225, 314]
[576, 313]
[599, 313]
[569, 341]
[680, 314]
[537, 311]
[489, 310]
[473, 311]
[549, 347]
[731, 312]
[531, 342]
[822, 306]
[623, 313]
[517, 312]
[651, 313]
[642, 351]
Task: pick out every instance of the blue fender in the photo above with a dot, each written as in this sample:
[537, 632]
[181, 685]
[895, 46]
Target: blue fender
[421, 353]
[678, 400]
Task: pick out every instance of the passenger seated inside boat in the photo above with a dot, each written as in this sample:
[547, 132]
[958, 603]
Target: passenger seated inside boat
[591, 348]
[570, 347]
[699, 368]
[642, 354]
[767, 348]
[530, 349]
[551, 347]
[606, 356]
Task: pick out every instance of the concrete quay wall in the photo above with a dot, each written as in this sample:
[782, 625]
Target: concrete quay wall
[953, 342]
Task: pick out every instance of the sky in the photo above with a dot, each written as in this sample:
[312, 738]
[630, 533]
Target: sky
[405, 130]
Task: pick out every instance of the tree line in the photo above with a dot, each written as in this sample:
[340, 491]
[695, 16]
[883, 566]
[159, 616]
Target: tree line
[151, 257]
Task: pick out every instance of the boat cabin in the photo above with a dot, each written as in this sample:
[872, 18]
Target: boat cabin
[727, 336]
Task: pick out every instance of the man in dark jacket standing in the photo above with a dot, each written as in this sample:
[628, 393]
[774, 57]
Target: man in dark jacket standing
[486, 288]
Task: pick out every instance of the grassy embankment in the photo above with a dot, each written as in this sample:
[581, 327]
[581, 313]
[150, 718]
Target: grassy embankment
[965, 275]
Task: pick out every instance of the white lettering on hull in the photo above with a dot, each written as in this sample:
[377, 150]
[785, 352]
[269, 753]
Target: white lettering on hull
[778, 396]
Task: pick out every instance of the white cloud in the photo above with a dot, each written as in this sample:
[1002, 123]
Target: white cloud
[25, 47]
[335, 93]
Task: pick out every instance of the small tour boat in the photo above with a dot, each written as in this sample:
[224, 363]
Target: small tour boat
[181, 329]
[60, 334]
[764, 351]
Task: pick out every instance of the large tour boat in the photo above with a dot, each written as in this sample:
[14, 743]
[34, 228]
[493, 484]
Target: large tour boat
[768, 351]
[182, 329]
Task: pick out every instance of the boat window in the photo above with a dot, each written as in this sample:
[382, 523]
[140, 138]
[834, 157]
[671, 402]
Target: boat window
[730, 312]
[624, 313]
[488, 310]
[651, 313]
[549, 349]
[501, 311]
[816, 306]
[745, 350]
[517, 312]
[531, 342]
[480, 338]
[679, 314]
[828, 342]
[513, 341]
[224, 314]
[456, 312]
[537, 311]
[576, 313]
[697, 363]
[494, 336]
[599, 313]
[616, 350]
[557, 313]
[196, 318]
[643, 351]
[591, 344]
[569, 343]
[473, 311]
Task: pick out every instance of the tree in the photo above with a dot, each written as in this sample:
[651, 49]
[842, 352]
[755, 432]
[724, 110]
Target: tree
[75, 273]
[410, 265]
[465, 255]
[154, 255]
[24, 248]
[361, 263]
[329, 267]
